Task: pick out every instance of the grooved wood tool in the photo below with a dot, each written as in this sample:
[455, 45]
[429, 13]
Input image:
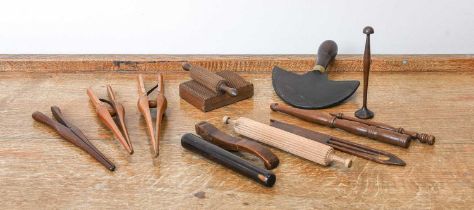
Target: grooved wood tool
[286, 141]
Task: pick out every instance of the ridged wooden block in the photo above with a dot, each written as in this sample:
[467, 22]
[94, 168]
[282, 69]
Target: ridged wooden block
[206, 99]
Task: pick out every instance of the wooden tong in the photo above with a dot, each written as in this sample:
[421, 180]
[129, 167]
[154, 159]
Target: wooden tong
[144, 105]
[117, 125]
[72, 134]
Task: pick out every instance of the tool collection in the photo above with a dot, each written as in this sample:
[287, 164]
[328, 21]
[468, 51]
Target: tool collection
[208, 91]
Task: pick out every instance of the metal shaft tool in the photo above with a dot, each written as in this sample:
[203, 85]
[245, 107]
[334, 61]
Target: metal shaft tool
[364, 112]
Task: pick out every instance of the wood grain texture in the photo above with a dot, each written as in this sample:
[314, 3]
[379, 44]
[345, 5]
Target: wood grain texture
[40, 170]
[242, 63]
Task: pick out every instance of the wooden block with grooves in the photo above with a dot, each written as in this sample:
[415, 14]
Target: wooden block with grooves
[206, 100]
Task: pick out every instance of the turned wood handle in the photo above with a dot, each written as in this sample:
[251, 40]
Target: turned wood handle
[326, 53]
[210, 133]
[223, 157]
[357, 128]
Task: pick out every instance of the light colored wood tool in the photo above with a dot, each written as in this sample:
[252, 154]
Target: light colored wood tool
[294, 144]
[144, 105]
[106, 115]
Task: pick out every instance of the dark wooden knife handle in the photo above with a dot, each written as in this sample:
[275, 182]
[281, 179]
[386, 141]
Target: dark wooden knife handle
[323, 118]
[210, 133]
[326, 53]
[223, 157]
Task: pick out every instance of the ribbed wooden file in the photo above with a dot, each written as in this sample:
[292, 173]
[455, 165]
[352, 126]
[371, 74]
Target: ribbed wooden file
[294, 144]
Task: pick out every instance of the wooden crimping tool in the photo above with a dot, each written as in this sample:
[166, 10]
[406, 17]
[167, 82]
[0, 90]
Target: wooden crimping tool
[73, 134]
[113, 117]
[208, 91]
[144, 105]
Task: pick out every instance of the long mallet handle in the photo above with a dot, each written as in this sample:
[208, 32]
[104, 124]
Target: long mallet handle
[294, 144]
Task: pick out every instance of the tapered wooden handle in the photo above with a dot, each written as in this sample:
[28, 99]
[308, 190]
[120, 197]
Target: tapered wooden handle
[221, 156]
[326, 53]
[210, 133]
[323, 118]
[294, 144]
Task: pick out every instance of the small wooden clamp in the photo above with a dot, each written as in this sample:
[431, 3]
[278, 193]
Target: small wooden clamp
[208, 91]
[144, 105]
[107, 116]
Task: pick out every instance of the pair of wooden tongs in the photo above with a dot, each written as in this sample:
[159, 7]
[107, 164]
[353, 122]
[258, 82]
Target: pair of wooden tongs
[144, 105]
[72, 134]
[106, 115]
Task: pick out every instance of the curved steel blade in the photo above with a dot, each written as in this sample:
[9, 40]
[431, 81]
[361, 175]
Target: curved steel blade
[312, 90]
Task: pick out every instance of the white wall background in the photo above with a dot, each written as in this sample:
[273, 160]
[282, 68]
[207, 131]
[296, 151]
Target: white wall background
[235, 26]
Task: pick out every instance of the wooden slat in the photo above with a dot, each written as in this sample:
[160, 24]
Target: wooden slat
[242, 63]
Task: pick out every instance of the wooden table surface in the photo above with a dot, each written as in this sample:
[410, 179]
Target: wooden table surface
[38, 169]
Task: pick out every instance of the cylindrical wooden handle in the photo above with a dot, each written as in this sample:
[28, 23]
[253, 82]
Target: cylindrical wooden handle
[327, 51]
[219, 155]
[210, 133]
[357, 128]
[422, 137]
[294, 144]
[209, 79]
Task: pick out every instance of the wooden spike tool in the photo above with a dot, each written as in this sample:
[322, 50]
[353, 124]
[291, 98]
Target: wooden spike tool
[144, 105]
[106, 115]
[294, 144]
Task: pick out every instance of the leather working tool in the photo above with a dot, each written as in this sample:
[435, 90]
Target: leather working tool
[313, 90]
[225, 158]
[117, 111]
[72, 134]
[292, 143]
[144, 105]
[341, 144]
[364, 112]
[422, 137]
[355, 127]
[212, 90]
[209, 79]
[210, 133]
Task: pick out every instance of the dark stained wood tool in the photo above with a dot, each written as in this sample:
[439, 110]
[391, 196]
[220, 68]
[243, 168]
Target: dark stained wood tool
[359, 150]
[422, 137]
[144, 105]
[286, 141]
[226, 158]
[208, 91]
[117, 111]
[212, 81]
[361, 129]
[210, 133]
[72, 134]
[364, 112]
[313, 90]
